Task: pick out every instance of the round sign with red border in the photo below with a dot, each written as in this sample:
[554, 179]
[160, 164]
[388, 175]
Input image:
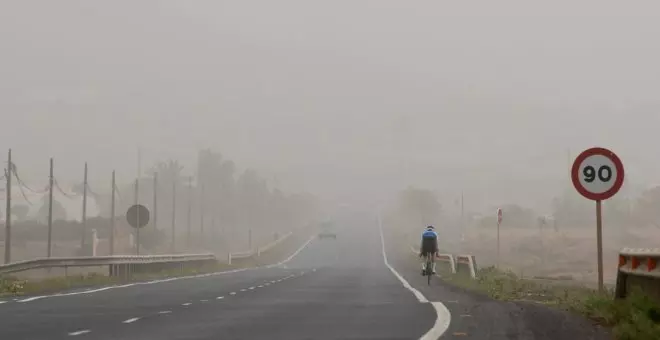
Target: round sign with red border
[597, 174]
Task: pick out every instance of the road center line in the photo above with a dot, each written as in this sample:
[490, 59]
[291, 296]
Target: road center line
[80, 332]
[131, 320]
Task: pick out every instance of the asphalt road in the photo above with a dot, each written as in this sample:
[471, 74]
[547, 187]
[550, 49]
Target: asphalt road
[332, 289]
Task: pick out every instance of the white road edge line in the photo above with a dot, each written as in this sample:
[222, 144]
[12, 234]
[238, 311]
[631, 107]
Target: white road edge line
[80, 332]
[443, 317]
[168, 279]
[311, 238]
[131, 320]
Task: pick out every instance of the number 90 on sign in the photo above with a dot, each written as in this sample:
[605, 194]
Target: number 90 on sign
[597, 174]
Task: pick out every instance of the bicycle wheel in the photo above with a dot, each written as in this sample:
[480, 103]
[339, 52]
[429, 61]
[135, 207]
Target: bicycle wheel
[429, 272]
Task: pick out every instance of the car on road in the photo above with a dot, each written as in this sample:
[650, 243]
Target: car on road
[327, 231]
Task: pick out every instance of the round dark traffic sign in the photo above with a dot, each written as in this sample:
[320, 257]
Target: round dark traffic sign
[597, 174]
[137, 216]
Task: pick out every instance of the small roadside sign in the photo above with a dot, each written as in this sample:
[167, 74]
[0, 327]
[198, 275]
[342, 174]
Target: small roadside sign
[137, 216]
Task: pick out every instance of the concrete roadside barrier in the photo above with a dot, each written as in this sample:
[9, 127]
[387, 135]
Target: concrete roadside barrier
[446, 259]
[467, 263]
[638, 269]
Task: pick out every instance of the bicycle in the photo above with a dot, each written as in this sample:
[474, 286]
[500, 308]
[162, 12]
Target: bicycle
[428, 268]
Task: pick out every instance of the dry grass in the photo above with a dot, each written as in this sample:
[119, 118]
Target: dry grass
[567, 253]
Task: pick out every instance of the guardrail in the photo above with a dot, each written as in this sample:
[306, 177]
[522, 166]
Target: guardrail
[257, 253]
[126, 265]
[118, 265]
[638, 268]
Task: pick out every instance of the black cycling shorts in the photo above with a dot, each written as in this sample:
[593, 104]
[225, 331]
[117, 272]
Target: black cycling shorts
[429, 246]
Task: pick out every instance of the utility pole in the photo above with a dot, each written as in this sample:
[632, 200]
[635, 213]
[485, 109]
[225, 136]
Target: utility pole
[201, 213]
[173, 215]
[8, 174]
[50, 210]
[84, 211]
[137, 199]
[112, 216]
[155, 200]
[137, 230]
[189, 211]
[462, 220]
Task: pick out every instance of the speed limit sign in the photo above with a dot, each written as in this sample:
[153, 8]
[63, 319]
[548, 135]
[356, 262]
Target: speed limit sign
[597, 174]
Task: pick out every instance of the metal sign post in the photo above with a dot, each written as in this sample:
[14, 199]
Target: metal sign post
[499, 221]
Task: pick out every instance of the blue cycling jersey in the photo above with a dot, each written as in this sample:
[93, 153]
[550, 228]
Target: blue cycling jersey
[429, 234]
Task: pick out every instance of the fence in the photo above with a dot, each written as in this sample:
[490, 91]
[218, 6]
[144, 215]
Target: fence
[638, 269]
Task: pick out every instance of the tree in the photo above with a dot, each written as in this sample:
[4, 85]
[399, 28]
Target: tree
[59, 213]
[419, 206]
[169, 172]
[20, 212]
[646, 210]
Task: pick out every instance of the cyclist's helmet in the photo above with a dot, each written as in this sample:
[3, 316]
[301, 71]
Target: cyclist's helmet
[430, 227]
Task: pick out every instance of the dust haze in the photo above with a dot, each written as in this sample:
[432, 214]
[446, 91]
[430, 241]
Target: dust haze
[351, 101]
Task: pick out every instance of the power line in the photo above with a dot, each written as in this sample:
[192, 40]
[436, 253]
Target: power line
[57, 185]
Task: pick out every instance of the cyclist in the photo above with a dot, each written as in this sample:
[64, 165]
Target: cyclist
[429, 246]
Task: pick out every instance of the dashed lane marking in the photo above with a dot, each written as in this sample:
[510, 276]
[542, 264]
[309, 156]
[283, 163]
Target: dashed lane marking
[131, 320]
[186, 304]
[165, 312]
[80, 332]
[220, 298]
[232, 293]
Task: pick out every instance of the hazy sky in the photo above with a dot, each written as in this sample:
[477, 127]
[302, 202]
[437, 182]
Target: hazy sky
[489, 96]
